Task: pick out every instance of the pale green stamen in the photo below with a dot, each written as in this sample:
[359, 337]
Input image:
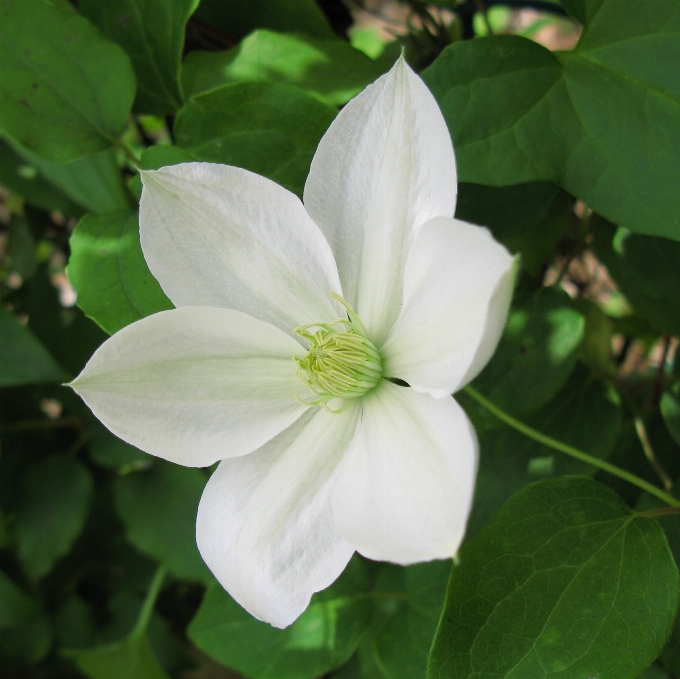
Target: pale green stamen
[341, 363]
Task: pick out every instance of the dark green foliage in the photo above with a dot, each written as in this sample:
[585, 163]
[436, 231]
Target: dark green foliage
[66, 89]
[596, 120]
[152, 34]
[570, 158]
[267, 128]
[566, 581]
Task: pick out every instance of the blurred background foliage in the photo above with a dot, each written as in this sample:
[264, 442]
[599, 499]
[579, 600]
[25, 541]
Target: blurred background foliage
[566, 123]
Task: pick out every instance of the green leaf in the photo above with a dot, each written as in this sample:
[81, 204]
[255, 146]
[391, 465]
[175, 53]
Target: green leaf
[647, 269]
[152, 34]
[529, 219]
[267, 128]
[23, 359]
[565, 582]
[322, 638]
[586, 414]
[23, 178]
[131, 658]
[402, 647]
[27, 643]
[331, 70]
[94, 182]
[601, 120]
[236, 19]
[16, 607]
[66, 90]
[57, 495]
[111, 452]
[107, 268]
[536, 354]
[158, 508]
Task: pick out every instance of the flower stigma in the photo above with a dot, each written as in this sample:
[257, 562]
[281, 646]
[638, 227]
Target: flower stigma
[341, 361]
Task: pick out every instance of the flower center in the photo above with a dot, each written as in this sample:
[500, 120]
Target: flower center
[341, 362]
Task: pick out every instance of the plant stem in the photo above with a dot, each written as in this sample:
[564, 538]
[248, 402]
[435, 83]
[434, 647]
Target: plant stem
[570, 450]
[641, 432]
[149, 603]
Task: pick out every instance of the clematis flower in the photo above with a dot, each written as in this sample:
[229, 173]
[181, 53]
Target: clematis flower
[295, 333]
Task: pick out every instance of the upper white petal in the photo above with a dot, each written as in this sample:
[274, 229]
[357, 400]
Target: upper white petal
[194, 385]
[457, 291]
[265, 524]
[384, 167]
[220, 236]
[405, 492]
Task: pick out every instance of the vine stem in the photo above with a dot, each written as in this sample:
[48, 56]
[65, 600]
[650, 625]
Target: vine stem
[149, 603]
[569, 450]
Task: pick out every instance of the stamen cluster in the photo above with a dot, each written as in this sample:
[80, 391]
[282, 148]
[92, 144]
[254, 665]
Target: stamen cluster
[341, 363]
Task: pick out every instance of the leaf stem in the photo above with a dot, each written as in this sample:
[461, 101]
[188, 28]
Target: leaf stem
[570, 450]
[641, 432]
[149, 604]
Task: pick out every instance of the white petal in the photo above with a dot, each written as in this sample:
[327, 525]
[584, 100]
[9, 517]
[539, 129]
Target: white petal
[220, 236]
[265, 524]
[195, 385]
[384, 167]
[405, 492]
[457, 289]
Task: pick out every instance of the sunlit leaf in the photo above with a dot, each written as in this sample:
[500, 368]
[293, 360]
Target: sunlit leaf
[109, 272]
[601, 120]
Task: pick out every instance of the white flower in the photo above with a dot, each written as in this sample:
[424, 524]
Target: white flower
[371, 466]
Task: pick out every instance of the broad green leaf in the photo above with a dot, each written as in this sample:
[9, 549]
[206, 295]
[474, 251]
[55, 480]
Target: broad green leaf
[23, 359]
[152, 34]
[236, 19]
[536, 354]
[331, 70]
[601, 120]
[94, 182]
[113, 453]
[66, 90]
[20, 176]
[566, 582]
[28, 643]
[529, 219]
[322, 638]
[508, 211]
[16, 607]
[25, 633]
[161, 156]
[158, 508]
[267, 128]
[57, 495]
[585, 414]
[402, 647]
[131, 658]
[647, 270]
[108, 270]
